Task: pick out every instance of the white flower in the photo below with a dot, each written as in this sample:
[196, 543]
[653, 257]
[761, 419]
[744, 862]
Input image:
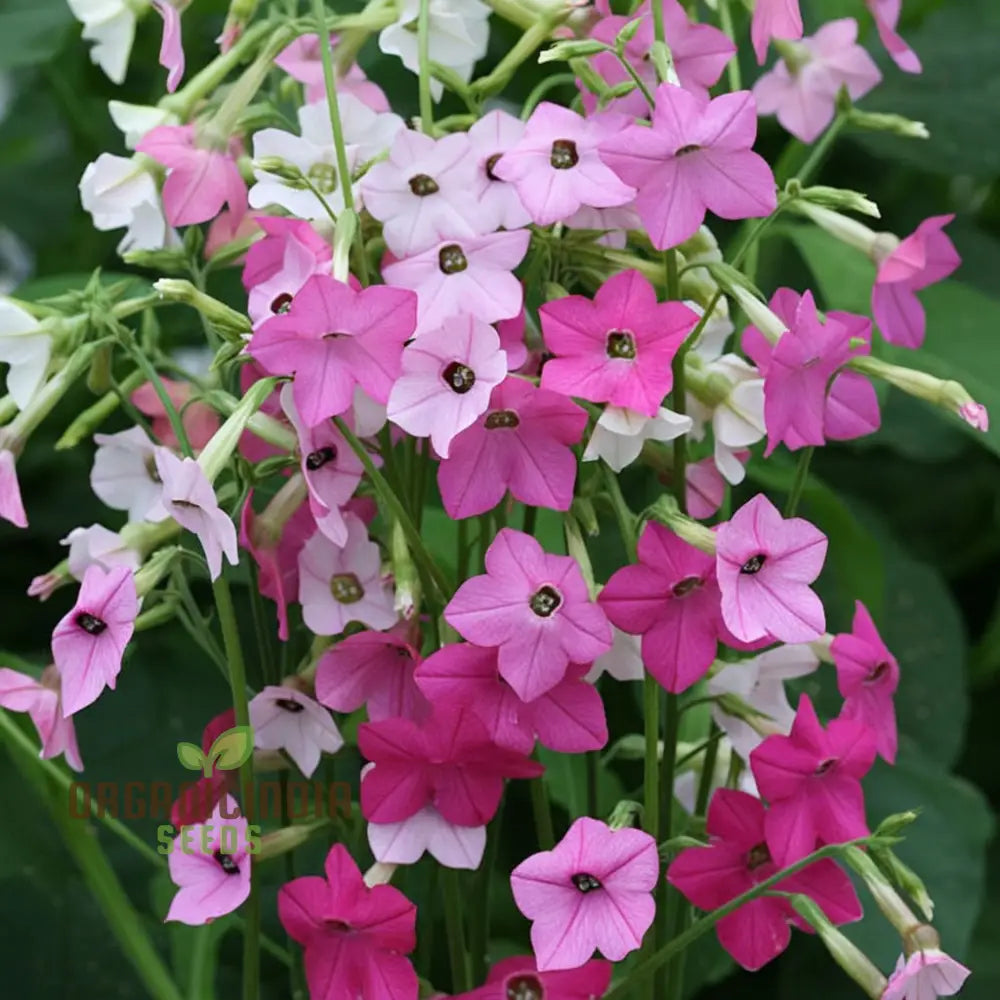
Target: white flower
[124, 475]
[623, 660]
[135, 120]
[120, 192]
[110, 25]
[404, 843]
[457, 37]
[686, 783]
[25, 349]
[97, 544]
[285, 719]
[619, 434]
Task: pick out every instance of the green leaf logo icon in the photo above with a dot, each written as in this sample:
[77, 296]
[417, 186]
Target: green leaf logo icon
[232, 748]
[191, 757]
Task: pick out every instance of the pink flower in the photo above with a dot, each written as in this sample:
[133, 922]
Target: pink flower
[765, 564]
[338, 585]
[867, 677]
[199, 180]
[617, 348]
[498, 204]
[886, 14]
[511, 333]
[11, 506]
[925, 257]
[189, 499]
[286, 719]
[518, 977]
[774, 19]
[975, 415]
[448, 377]
[355, 938]
[197, 801]
[592, 892]
[448, 760]
[96, 544]
[699, 51]
[374, 669]
[522, 444]
[42, 700]
[738, 859]
[555, 165]
[124, 474]
[926, 975]
[697, 157]
[427, 831]
[568, 718]
[811, 779]
[535, 608]
[803, 93]
[670, 598]
[210, 865]
[199, 420]
[334, 338]
[471, 276]
[171, 48]
[706, 489]
[302, 60]
[88, 643]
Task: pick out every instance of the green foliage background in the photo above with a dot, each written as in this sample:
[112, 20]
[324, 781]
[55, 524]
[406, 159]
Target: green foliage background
[913, 515]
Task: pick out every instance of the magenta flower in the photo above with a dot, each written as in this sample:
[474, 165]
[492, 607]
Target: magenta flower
[374, 669]
[867, 677]
[471, 276]
[286, 719]
[200, 180]
[498, 205]
[214, 881]
[706, 489]
[617, 348]
[88, 643]
[355, 938]
[447, 760]
[568, 718]
[811, 779]
[738, 859]
[774, 19]
[518, 977]
[886, 14]
[925, 257]
[556, 167]
[189, 499]
[333, 338]
[535, 608]
[926, 975]
[42, 700]
[171, 47]
[592, 892]
[765, 564]
[803, 93]
[302, 60]
[522, 444]
[670, 598]
[344, 584]
[448, 378]
[11, 506]
[697, 157]
[427, 831]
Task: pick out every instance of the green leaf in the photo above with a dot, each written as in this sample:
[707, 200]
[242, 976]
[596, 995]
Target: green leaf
[191, 756]
[31, 31]
[232, 748]
[844, 276]
[566, 779]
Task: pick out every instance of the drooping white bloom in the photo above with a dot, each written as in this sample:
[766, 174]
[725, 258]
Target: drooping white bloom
[286, 719]
[110, 25]
[404, 843]
[124, 475]
[623, 660]
[619, 434]
[97, 544]
[26, 349]
[926, 975]
[135, 120]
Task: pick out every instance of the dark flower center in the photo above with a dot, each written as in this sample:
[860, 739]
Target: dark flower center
[825, 766]
[151, 469]
[490, 164]
[458, 377]
[502, 418]
[686, 586]
[346, 588]
[525, 988]
[281, 303]
[451, 260]
[338, 925]
[758, 856]
[226, 863]
[585, 882]
[754, 564]
[877, 672]
[621, 344]
[290, 706]
[545, 601]
[685, 150]
[318, 458]
[334, 335]
[564, 154]
[422, 185]
[90, 624]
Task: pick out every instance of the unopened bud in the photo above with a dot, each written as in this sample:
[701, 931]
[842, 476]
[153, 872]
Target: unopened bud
[575, 49]
[627, 34]
[906, 878]
[224, 442]
[850, 231]
[288, 838]
[155, 569]
[666, 512]
[230, 324]
[624, 814]
[629, 747]
[405, 576]
[840, 199]
[170, 260]
[757, 312]
[888, 900]
[161, 613]
[583, 510]
[873, 121]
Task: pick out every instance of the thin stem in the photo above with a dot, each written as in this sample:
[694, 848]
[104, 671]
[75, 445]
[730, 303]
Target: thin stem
[636, 79]
[671, 721]
[799, 482]
[626, 519]
[424, 68]
[543, 814]
[700, 748]
[679, 395]
[818, 153]
[733, 66]
[651, 760]
[479, 930]
[461, 977]
[530, 517]
[707, 771]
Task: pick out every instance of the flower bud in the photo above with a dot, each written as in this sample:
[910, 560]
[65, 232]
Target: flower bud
[269, 525]
[159, 614]
[405, 575]
[155, 569]
[855, 234]
[230, 324]
[833, 198]
[756, 311]
[906, 878]
[624, 814]
[564, 51]
[288, 838]
[887, 899]
[95, 414]
[666, 511]
[629, 747]
[379, 874]
[873, 121]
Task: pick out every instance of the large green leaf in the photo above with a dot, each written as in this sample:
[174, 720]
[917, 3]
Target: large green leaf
[31, 31]
[844, 276]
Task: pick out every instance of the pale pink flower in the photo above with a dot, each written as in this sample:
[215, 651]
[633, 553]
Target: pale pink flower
[886, 14]
[199, 420]
[171, 48]
[926, 975]
[124, 474]
[286, 719]
[96, 544]
[498, 204]
[406, 841]
[774, 19]
[302, 60]
[11, 506]
[623, 661]
[975, 415]
[42, 700]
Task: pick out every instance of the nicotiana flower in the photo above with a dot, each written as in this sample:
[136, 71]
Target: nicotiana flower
[458, 32]
[110, 25]
[522, 443]
[448, 377]
[774, 19]
[189, 499]
[498, 204]
[593, 891]
[623, 661]
[535, 608]
[427, 831]
[199, 420]
[124, 475]
[197, 802]
[26, 348]
[706, 488]
[886, 14]
[97, 544]
[302, 60]
[736, 860]
[42, 700]
[765, 564]
[620, 433]
[811, 779]
[867, 677]
[344, 584]
[925, 975]
[89, 642]
[556, 167]
[11, 505]
[518, 978]
[355, 938]
[697, 157]
[617, 348]
[171, 47]
[135, 120]
[286, 719]
[216, 881]
[925, 257]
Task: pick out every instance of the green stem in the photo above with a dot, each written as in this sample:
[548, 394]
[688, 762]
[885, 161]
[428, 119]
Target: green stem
[636, 79]
[679, 394]
[543, 814]
[479, 930]
[461, 978]
[424, 68]
[626, 519]
[651, 762]
[799, 482]
[711, 745]
[530, 517]
[733, 66]
[700, 748]
[818, 153]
